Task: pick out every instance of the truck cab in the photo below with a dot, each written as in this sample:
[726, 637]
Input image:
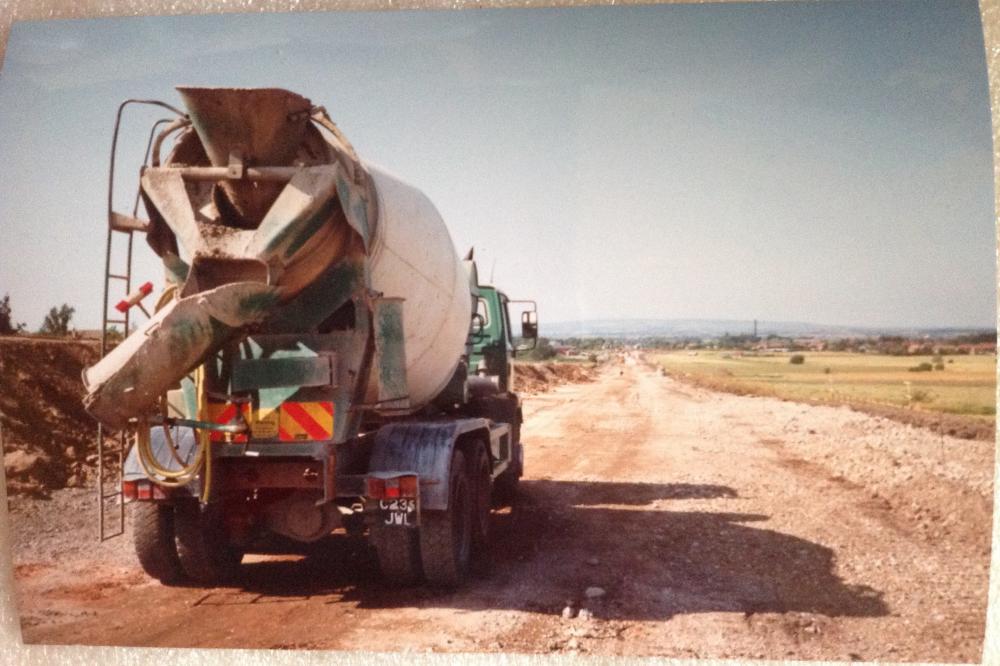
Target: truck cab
[492, 345]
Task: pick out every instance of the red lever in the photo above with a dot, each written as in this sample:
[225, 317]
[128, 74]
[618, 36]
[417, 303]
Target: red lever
[132, 299]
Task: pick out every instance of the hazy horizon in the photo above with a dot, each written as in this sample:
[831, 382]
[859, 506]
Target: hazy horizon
[825, 162]
[749, 322]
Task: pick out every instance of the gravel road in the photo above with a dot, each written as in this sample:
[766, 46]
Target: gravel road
[655, 518]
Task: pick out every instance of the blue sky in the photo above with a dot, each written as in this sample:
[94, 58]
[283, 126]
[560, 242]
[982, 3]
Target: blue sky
[823, 162]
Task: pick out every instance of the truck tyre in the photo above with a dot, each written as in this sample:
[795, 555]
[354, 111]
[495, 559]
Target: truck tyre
[153, 536]
[502, 409]
[481, 478]
[446, 536]
[505, 485]
[398, 552]
[204, 554]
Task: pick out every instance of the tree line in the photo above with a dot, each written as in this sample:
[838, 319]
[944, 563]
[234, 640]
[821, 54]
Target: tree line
[57, 321]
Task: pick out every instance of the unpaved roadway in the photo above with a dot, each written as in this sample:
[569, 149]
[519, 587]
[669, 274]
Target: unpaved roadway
[716, 525]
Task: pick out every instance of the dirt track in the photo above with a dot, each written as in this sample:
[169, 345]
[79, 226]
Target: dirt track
[718, 526]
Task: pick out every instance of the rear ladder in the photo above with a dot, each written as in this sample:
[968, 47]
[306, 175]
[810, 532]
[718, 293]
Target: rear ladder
[111, 448]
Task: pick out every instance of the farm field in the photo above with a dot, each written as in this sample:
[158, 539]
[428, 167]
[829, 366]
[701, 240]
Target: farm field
[966, 386]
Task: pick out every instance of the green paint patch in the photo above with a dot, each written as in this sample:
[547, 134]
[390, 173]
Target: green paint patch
[356, 209]
[177, 269]
[302, 231]
[254, 304]
[321, 298]
[389, 344]
[289, 238]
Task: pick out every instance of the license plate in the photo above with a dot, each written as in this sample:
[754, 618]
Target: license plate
[398, 513]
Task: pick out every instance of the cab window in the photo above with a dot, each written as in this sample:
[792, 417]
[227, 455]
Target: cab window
[506, 321]
[483, 312]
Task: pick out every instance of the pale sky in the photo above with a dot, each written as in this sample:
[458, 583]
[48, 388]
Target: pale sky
[820, 162]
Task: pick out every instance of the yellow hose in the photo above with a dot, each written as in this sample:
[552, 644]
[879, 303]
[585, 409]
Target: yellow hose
[186, 474]
[202, 463]
[204, 437]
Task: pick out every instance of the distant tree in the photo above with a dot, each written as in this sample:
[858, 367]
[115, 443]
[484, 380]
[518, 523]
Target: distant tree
[797, 359]
[57, 320]
[842, 344]
[976, 338]
[7, 325]
[543, 350]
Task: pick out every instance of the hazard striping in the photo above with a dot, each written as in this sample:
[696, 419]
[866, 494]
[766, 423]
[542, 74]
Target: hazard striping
[305, 421]
[224, 413]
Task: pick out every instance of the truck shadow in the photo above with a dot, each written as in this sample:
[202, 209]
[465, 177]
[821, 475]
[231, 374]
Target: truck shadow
[653, 559]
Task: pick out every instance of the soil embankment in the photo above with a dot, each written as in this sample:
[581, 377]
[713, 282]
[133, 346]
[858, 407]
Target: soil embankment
[532, 378]
[48, 438]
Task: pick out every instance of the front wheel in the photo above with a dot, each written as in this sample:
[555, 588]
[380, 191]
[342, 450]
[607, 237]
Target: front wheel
[505, 485]
[446, 536]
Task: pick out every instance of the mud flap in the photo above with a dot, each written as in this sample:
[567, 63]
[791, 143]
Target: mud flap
[423, 448]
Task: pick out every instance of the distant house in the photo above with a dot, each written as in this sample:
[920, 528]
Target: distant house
[809, 344]
[979, 348]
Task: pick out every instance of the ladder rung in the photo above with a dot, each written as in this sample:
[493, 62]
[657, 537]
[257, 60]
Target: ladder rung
[127, 224]
[115, 495]
[117, 277]
[116, 321]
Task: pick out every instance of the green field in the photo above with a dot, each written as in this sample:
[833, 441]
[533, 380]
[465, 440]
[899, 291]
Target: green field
[967, 385]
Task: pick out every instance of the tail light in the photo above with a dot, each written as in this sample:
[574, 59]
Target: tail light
[393, 487]
[142, 490]
[408, 486]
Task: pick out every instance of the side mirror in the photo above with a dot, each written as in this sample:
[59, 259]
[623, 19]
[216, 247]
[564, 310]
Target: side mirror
[529, 325]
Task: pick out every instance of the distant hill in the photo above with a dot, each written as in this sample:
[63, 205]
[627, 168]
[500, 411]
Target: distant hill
[713, 328]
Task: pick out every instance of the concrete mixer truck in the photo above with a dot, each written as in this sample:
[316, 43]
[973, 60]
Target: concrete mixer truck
[319, 359]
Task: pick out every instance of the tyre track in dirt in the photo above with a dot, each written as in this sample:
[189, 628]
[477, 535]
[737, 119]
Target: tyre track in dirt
[717, 526]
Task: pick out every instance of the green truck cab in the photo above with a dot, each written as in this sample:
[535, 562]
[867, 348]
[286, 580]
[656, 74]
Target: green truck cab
[492, 343]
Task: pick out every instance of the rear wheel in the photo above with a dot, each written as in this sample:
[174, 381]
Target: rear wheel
[446, 536]
[153, 536]
[204, 552]
[398, 551]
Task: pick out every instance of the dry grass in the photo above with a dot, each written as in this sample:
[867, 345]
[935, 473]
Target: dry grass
[965, 387]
